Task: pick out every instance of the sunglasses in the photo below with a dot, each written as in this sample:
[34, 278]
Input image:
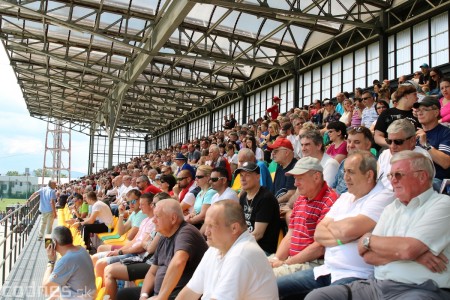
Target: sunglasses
[399, 175]
[365, 98]
[398, 142]
[132, 201]
[200, 176]
[215, 179]
[181, 178]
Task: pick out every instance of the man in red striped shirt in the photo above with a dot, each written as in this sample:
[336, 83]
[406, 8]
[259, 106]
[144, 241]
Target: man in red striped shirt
[298, 250]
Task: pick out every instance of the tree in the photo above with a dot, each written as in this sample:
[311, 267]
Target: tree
[12, 173]
[38, 173]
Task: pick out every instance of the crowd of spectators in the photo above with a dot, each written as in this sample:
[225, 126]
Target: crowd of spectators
[333, 178]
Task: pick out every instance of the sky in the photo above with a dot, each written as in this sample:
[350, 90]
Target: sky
[22, 137]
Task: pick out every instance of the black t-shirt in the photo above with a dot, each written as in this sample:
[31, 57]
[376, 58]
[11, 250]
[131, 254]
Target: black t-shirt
[187, 238]
[263, 208]
[390, 115]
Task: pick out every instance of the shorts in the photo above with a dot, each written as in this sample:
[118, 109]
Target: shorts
[137, 271]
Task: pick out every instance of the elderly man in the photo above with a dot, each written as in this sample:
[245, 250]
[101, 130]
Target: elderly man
[219, 161]
[298, 250]
[359, 138]
[434, 137]
[410, 245]
[179, 251]
[144, 185]
[219, 182]
[181, 162]
[261, 209]
[234, 267]
[73, 273]
[312, 145]
[340, 97]
[47, 202]
[283, 154]
[354, 213]
[401, 137]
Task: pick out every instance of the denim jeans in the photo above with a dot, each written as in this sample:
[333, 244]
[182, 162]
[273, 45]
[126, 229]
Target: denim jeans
[299, 284]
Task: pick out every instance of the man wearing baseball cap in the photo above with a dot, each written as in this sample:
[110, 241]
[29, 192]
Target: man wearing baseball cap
[434, 137]
[261, 209]
[274, 110]
[298, 250]
[283, 154]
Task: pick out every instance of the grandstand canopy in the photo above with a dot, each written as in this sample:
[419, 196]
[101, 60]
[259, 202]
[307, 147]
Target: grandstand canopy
[138, 65]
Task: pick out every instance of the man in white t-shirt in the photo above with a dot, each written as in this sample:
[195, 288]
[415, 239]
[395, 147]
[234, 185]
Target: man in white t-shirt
[234, 266]
[353, 214]
[219, 182]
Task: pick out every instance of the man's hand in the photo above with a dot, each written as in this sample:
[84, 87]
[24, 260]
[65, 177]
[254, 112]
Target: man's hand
[121, 209]
[51, 252]
[436, 264]
[361, 248]
[421, 136]
[275, 262]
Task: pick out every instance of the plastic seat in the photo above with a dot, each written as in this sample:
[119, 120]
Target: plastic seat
[114, 232]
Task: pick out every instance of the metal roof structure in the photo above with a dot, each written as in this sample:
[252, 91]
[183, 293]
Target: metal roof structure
[139, 65]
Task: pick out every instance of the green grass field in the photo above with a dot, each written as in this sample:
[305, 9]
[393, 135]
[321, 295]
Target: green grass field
[5, 202]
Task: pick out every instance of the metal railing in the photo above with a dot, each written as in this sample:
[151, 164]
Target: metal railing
[16, 227]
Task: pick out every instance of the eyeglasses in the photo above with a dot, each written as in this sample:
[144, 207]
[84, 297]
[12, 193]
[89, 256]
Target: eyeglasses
[181, 178]
[365, 98]
[200, 176]
[399, 175]
[215, 179]
[398, 142]
[423, 110]
[132, 201]
[416, 74]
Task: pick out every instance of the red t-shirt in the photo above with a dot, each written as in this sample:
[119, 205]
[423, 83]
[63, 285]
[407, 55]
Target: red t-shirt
[274, 111]
[151, 189]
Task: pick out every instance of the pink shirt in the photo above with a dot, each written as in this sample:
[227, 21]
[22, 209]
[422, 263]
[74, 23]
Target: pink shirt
[445, 111]
[333, 151]
[147, 226]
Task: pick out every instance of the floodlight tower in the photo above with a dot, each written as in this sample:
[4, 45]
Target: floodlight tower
[58, 145]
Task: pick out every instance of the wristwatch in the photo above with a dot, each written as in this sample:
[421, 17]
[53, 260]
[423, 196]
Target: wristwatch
[366, 241]
[426, 146]
[120, 252]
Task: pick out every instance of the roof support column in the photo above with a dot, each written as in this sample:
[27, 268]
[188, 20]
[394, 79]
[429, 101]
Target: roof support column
[296, 74]
[383, 47]
[91, 149]
[243, 92]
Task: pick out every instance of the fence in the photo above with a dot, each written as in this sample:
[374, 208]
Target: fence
[16, 227]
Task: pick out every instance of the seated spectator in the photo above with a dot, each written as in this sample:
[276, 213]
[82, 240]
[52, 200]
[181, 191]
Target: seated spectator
[177, 256]
[181, 162]
[312, 145]
[337, 132]
[144, 185]
[135, 215]
[72, 276]
[435, 80]
[100, 220]
[252, 145]
[357, 113]
[410, 245]
[346, 117]
[244, 273]
[188, 190]
[79, 209]
[143, 246]
[219, 182]
[298, 250]
[246, 155]
[369, 114]
[381, 105]
[434, 138]
[218, 161]
[167, 183]
[354, 213]
[273, 133]
[332, 115]
[283, 154]
[193, 155]
[359, 138]
[261, 209]
[232, 156]
[401, 137]
[203, 198]
[108, 254]
[445, 100]
[406, 96]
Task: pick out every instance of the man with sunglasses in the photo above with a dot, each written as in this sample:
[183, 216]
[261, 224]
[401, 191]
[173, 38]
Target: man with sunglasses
[219, 182]
[401, 136]
[410, 245]
[434, 137]
[188, 191]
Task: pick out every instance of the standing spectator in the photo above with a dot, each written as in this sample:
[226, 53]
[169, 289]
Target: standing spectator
[47, 202]
[73, 273]
[274, 110]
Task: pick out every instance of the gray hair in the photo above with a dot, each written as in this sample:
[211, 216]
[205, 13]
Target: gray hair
[171, 206]
[62, 235]
[248, 154]
[402, 125]
[314, 136]
[144, 178]
[368, 162]
[417, 161]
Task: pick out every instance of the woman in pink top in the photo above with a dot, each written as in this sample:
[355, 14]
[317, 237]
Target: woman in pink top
[337, 132]
[445, 100]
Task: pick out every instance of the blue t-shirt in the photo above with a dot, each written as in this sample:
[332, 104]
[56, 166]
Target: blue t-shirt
[74, 273]
[46, 195]
[282, 183]
[203, 198]
[439, 138]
